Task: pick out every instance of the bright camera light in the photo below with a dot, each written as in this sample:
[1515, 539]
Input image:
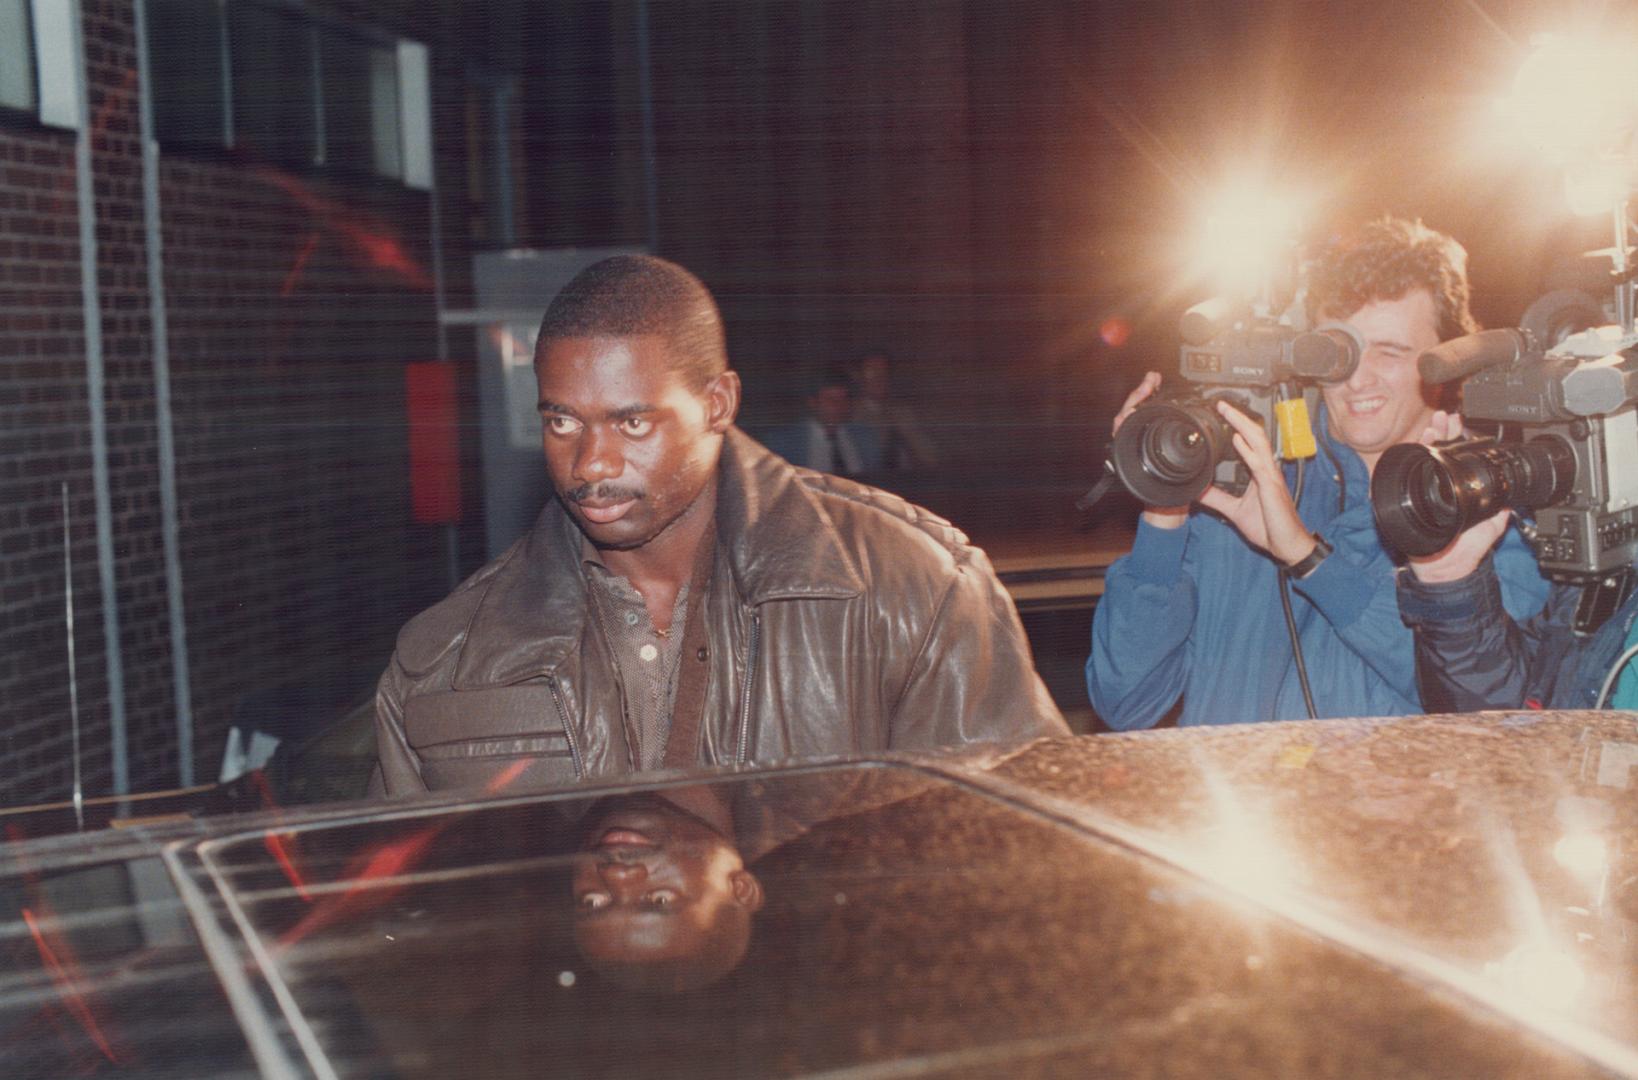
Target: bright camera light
[1246, 236]
[1595, 187]
[1576, 100]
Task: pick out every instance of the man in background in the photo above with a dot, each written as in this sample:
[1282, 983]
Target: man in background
[827, 439]
[903, 446]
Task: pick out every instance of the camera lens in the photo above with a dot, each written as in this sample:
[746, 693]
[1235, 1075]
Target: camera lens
[1424, 496]
[1167, 452]
[1175, 450]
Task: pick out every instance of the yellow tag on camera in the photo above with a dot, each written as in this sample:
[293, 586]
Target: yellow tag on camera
[1296, 433]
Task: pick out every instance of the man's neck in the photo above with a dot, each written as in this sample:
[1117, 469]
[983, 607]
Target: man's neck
[666, 562]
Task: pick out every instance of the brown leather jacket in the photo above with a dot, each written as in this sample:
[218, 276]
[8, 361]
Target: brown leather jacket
[840, 620]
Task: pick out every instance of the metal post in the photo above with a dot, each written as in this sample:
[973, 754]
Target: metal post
[435, 231]
[91, 306]
[1625, 288]
[168, 502]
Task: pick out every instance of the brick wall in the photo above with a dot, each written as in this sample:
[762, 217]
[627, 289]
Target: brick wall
[293, 303]
[287, 350]
[44, 441]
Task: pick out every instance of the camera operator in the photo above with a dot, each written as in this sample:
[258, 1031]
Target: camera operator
[1195, 610]
[1472, 652]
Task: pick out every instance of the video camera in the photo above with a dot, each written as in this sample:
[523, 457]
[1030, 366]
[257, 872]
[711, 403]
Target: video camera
[1167, 453]
[1563, 391]
[1566, 447]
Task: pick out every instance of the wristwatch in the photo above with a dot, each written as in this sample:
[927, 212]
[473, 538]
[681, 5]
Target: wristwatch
[1309, 562]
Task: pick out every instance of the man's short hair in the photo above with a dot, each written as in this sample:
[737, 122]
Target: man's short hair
[1387, 259]
[632, 295]
[825, 379]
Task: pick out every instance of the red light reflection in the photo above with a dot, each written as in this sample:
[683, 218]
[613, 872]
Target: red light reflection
[61, 965]
[387, 861]
[1115, 331]
[378, 247]
[299, 265]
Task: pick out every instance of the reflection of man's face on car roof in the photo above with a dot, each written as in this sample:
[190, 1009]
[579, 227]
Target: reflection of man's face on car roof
[660, 887]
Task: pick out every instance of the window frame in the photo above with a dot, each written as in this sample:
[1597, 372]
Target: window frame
[320, 156]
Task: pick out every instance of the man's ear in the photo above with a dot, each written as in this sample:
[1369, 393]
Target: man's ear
[722, 401]
[747, 890]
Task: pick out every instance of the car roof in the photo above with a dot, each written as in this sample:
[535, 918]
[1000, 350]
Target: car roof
[1361, 897]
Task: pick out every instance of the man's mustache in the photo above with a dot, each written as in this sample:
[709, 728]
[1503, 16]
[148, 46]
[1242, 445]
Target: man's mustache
[603, 493]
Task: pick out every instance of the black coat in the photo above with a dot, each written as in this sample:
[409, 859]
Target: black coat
[1471, 655]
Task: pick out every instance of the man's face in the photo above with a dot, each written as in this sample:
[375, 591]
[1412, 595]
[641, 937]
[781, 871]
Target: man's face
[831, 405]
[629, 444]
[654, 883]
[873, 377]
[1383, 403]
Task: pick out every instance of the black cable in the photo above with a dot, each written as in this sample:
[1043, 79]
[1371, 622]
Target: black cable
[1296, 648]
[1291, 619]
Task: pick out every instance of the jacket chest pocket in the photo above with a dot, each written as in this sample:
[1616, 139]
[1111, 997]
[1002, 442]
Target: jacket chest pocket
[500, 722]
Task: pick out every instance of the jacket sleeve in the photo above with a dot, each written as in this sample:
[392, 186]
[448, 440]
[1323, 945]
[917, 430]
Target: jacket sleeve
[1140, 631]
[973, 679]
[398, 766]
[1353, 590]
[1470, 653]
[1356, 592]
[1524, 591]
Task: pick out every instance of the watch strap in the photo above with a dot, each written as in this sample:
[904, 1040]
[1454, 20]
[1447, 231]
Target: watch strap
[1310, 562]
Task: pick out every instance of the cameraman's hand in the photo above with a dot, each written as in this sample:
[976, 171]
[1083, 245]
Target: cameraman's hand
[1465, 553]
[1161, 517]
[1442, 427]
[1265, 514]
[1468, 550]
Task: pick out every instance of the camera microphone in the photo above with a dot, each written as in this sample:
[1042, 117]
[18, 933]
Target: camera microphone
[1460, 357]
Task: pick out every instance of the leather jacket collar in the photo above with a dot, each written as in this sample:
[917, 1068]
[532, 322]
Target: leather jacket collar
[775, 538]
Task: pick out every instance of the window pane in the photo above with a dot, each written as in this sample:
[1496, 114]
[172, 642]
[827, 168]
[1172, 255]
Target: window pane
[360, 103]
[16, 56]
[185, 58]
[389, 158]
[273, 109]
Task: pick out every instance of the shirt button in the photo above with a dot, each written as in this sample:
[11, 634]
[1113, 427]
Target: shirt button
[631, 618]
[648, 652]
[701, 654]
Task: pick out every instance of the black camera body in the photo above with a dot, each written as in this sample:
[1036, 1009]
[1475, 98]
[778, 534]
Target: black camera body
[1566, 449]
[1167, 453]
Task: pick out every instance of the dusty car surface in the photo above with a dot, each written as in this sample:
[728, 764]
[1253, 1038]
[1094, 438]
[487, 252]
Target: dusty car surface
[1443, 896]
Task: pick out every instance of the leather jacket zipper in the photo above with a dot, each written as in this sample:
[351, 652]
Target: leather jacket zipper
[568, 729]
[750, 684]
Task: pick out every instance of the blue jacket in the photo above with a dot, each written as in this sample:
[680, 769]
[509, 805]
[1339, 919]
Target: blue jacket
[1195, 612]
[1472, 655]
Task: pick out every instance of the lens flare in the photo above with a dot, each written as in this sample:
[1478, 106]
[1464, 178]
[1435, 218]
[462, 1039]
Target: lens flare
[1115, 331]
[1246, 236]
[1574, 97]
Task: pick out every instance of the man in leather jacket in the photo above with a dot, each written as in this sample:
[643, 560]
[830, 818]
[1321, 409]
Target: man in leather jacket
[690, 598]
